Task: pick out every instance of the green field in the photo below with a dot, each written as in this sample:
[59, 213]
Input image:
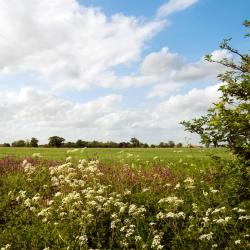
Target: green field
[202, 158]
[178, 198]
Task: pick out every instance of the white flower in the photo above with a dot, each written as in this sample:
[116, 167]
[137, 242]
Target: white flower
[37, 155]
[205, 193]
[156, 243]
[208, 236]
[68, 159]
[6, 247]
[171, 200]
[244, 217]
[240, 210]
[189, 180]
[237, 242]
[138, 238]
[58, 194]
[217, 210]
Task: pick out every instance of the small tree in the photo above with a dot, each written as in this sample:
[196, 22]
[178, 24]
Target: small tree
[20, 143]
[171, 144]
[56, 141]
[34, 142]
[228, 121]
[135, 142]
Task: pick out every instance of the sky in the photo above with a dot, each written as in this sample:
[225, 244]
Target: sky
[111, 70]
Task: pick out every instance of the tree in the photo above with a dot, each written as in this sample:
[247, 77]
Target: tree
[171, 144]
[34, 142]
[179, 145]
[135, 142]
[56, 141]
[20, 143]
[228, 121]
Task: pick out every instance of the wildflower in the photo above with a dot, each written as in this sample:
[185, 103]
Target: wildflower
[195, 207]
[237, 242]
[208, 236]
[83, 239]
[127, 192]
[37, 155]
[204, 193]
[156, 243]
[217, 210]
[6, 247]
[145, 190]
[209, 210]
[171, 200]
[188, 180]
[240, 210]
[244, 217]
[160, 216]
[68, 159]
[223, 221]
[58, 194]
[138, 238]
[213, 190]
[178, 185]
[214, 245]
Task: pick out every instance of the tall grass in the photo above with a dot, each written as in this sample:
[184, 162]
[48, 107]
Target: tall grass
[128, 205]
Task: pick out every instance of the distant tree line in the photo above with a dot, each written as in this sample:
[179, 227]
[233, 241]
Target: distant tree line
[57, 142]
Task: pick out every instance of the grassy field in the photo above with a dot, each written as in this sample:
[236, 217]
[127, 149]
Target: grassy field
[121, 199]
[178, 156]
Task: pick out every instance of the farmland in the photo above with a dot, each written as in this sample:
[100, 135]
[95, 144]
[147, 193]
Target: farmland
[176, 198]
[177, 156]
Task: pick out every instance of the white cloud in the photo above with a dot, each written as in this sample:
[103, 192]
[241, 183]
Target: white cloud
[30, 112]
[73, 46]
[195, 102]
[163, 62]
[173, 6]
[67, 45]
[167, 72]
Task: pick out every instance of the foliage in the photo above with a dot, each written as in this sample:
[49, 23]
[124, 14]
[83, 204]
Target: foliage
[56, 141]
[34, 142]
[91, 206]
[228, 121]
[135, 142]
[20, 143]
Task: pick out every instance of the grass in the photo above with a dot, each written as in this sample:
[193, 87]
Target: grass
[128, 199]
[201, 158]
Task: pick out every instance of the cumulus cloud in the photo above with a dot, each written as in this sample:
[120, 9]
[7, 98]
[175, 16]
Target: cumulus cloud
[30, 112]
[66, 45]
[69, 44]
[167, 72]
[174, 6]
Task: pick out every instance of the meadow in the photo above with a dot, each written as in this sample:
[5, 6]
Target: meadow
[201, 157]
[178, 198]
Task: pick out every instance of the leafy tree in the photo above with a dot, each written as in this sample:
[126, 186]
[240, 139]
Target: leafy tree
[20, 143]
[179, 145]
[56, 141]
[135, 142]
[162, 145]
[34, 142]
[171, 144]
[228, 121]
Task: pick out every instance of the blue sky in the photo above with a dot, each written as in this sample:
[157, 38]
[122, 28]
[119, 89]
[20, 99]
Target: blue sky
[110, 70]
